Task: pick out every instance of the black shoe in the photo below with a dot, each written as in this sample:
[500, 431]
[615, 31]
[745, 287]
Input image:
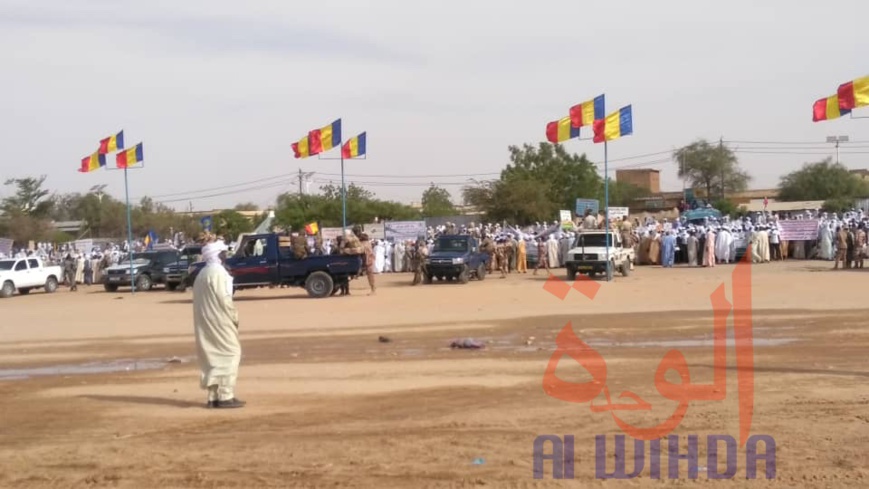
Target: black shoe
[230, 404]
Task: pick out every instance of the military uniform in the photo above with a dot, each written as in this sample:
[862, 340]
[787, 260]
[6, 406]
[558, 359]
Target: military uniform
[418, 254]
[69, 267]
[501, 258]
[300, 247]
[488, 247]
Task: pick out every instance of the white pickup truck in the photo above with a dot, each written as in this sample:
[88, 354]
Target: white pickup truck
[589, 255]
[26, 274]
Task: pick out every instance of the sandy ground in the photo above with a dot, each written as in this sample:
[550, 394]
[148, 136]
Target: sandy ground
[331, 406]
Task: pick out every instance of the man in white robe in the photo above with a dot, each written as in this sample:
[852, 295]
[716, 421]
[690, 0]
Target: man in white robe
[825, 236]
[552, 251]
[379, 257]
[215, 323]
[724, 246]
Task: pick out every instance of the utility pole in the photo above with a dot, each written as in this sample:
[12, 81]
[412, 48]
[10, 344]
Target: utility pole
[303, 176]
[721, 150]
[836, 140]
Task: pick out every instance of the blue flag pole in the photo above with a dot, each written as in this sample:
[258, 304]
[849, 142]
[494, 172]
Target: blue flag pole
[129, 231]
[343, 194]
[606, 203]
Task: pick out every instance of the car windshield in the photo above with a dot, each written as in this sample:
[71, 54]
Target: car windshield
[137, 261]
[593, 240]
[451, 244]
[6, 264]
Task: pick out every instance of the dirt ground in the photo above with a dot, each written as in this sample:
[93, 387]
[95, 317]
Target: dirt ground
[331, 406]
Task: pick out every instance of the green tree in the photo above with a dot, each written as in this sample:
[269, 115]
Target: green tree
[230, 224]
[295, 210]
[30, 198]
[246, 206]
[437, 202]
[713, 168]
[623, 194]
[823, 180]
[536, 183]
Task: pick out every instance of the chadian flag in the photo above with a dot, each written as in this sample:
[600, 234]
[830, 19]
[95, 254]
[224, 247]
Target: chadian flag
[112, 143]
[354, 147]
[312, 228]
[615, 125]
[827, 109]
[325, 138]
[854, 94]
[586, 113]
[130, 157]
[92, 162]
[150, 239]
[302, 148]
[561, 130]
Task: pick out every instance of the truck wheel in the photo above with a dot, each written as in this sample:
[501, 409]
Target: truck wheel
[110, 287]
[50, 285]
[481, 272]
[319, 285]
[144, 283]
[427, 279]
[464, 276]
[8, 289]
[571, 273]
[626, 268]
[171, 287]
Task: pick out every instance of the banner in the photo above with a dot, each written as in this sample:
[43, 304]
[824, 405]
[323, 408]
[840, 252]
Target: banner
[618, 212]
[405, 230]
[331, 233]
[566, 219]
[583, 204]
[799, 230]
[6, 247]
[83, 245]
[374, 230]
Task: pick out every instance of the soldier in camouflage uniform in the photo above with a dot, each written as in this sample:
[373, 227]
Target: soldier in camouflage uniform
[418, 254]
[300, 246]
[488, 246]
[500, 258]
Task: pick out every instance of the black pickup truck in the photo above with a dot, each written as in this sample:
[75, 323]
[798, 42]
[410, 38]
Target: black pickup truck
[262, 260]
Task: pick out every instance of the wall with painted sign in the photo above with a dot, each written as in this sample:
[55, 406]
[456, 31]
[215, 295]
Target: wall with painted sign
[583, 204]
[404, 230]
[618, 212]
[799, 230]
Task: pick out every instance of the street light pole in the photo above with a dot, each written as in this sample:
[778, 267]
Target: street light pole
[836, 140]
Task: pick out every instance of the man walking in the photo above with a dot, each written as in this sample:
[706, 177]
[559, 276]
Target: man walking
[215, 321]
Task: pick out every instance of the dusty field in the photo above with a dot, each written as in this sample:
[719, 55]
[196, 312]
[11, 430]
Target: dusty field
[329, 405]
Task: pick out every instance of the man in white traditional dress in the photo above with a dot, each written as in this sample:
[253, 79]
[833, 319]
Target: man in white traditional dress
[215, 322]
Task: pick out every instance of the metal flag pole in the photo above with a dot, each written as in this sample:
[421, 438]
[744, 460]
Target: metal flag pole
[129, 230]
[606, 203]
[343, 192]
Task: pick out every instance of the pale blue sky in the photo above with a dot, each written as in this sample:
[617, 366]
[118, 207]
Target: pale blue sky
[218, 90]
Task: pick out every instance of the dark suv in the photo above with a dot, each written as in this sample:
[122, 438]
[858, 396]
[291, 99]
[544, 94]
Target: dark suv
[176, 273]
[147, 268]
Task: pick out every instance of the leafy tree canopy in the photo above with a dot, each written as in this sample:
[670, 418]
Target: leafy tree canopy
[713, 168]
[437, 202]
[823, 180]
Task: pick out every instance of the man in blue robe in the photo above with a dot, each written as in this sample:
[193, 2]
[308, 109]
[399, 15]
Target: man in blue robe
[668, 250]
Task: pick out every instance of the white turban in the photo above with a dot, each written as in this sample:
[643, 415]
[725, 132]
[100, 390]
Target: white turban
[211, 252]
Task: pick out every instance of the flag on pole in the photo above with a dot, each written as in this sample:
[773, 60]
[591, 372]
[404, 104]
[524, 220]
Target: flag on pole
[325, 138]
[92, 162]
[354, 147]
[130, 157]
[302, 148]
[616, 125]
[312, 228]
[586, 113]
[854, 94]
[150, 239]
[827, 109]
[561, 130]
[112, 143]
